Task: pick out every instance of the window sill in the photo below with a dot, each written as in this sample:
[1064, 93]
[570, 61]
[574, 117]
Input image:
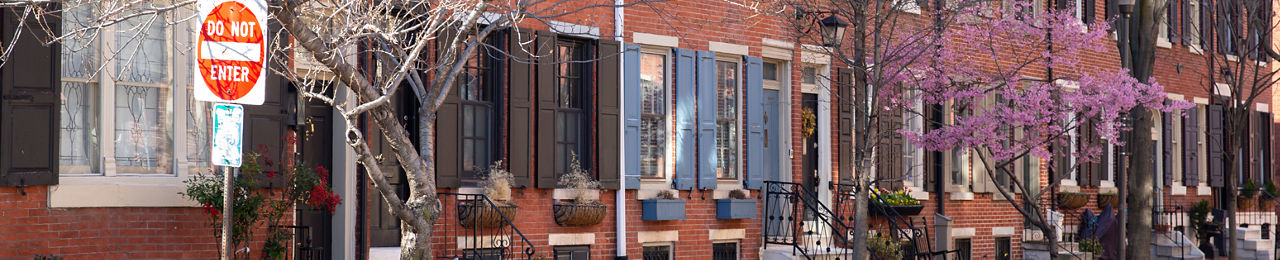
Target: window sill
[1068, 185]
[919, 195]
[1177, 189]
[962, 195]
[1203, 190]
[1164, 43]
[568, 194]
[1195, 50]
[89, 192]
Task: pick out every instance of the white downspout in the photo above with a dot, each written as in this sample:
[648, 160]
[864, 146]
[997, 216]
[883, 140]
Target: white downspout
[621, 200]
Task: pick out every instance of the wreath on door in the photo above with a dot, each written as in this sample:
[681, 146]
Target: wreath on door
[808, 122]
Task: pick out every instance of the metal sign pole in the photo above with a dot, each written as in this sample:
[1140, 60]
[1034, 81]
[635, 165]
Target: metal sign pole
[227, 187]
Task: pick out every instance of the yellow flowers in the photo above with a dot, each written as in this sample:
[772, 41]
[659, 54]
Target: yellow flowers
[894, 198]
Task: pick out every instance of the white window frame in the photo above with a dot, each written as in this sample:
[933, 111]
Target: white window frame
[740, 87]
[109, 187]
[662, 184]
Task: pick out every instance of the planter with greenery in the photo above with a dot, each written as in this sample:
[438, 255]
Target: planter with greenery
[1268, 200]
[583, 209]
[666, 206]
[497, 187]
[256, 207]
[884, 247]
[1072, 200]
[1247, 196]
[899, 201]
[1108, 198]
[738, 206]
[1091, 246]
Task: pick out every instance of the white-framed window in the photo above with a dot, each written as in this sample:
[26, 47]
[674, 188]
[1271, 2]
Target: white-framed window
[119, 109]
[728, 118]
[1023, 9]
[912, 154]
[654, 124]
[774, 73]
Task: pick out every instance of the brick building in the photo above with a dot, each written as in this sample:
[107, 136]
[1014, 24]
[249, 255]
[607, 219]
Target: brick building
[682, 100]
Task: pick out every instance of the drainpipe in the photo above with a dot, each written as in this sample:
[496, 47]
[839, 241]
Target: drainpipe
[621, 200]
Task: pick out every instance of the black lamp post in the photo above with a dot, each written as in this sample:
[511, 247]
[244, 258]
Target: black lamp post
[1126, 61]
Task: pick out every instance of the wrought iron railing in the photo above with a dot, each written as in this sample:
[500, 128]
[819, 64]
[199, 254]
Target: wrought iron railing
[474, 227]
[795, 217]
[885, 220]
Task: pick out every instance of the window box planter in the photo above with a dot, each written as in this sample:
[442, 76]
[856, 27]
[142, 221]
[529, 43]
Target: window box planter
[662, 209]
[480, 215]
[904, 210]
[574, 214]
[1105, 199]
[735, 209]
[1072, 200]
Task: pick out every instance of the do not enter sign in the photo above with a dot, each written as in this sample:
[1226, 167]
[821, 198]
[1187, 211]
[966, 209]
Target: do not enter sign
[232, 51]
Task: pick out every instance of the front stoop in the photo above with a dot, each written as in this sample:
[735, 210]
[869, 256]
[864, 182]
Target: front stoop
[1174, 245]
[1250, 245]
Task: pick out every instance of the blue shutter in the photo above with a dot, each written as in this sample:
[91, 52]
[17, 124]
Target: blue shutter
[755, 122]
[631, 112]
[686, 158]
[707, 120]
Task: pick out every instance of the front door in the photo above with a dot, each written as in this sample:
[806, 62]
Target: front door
[809, 143]
[315, 137]
[774, 157]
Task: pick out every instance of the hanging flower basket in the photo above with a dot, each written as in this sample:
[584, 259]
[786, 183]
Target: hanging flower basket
[1072, 200]
[481, 215]
[574, 214]
[904, 210]
[1108, 199]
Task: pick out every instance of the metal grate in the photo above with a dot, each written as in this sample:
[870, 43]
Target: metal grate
[724, 251]
[658, 253]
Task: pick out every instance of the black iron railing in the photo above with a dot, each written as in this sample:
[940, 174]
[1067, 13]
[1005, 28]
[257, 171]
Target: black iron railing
[474, 227]
[885, 221]
[794, 216]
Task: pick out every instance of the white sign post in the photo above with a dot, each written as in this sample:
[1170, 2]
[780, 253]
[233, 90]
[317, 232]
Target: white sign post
[231, 57]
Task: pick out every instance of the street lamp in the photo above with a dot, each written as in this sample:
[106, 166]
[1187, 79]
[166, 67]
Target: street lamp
[832, 30]
[1126, 7]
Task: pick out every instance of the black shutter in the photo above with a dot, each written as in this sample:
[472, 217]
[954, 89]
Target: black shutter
[1185, 21]
[1190, 148]
[265, 124]
[1090, 11]
[1060, 4]
[519, 117]
[1170, 21]
[1254, 148]
[1166, 145]
[608, 113]
[1206, 24]
[844, 81]
[1215, 146]
[448, 122]
[546, 118]
[30, 87]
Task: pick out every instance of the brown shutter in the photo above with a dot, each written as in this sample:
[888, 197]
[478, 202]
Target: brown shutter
[30, 88]
[1098, 168]
[1215, 146]
[546, 118]
[519, 159]
[1166, 147]
[1190, 148]
[608, 113]
[844, 83]
[264, 125]
[1255, 148]
[448, 123]
[890, 157]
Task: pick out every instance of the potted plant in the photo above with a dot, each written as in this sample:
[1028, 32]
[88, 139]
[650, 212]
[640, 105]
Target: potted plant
[497, 187]
[1091, 246]
[1205, 230]
[1108, 198]
[1072, 200]
[583, 209]
[1247, 193]
[1266, 201]
[898, 201]
[738, 206]
[883, 247]
[665, 206]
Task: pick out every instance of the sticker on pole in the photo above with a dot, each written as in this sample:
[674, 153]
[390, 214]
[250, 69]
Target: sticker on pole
[232, 51]
[228, 132]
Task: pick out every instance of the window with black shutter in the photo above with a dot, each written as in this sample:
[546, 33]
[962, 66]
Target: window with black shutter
[572, 252]
[571, 104]
[724, 251]
[479, 95]
[657, 252]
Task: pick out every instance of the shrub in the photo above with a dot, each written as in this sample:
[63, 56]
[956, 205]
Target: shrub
[1092, 246]
[738, 194]
[1249, 190]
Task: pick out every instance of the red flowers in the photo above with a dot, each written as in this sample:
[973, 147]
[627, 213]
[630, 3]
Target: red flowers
[321, 198]
[209, 208]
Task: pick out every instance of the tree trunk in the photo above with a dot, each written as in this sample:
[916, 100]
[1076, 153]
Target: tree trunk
[1139, 182]
[862, 118]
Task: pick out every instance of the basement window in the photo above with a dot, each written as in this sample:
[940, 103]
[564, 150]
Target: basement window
[657, 252]
[1004, 250]
[724, 251]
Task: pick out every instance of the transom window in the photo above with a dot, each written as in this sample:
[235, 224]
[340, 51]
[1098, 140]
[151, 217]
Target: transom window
[653, 115]
[727, 119]
[571, 99]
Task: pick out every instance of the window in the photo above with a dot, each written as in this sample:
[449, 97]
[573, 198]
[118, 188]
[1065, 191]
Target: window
[809, 75]
[657, 252]
[477, 88]
[964, 248]
[727, 119]
[1194, 20]
[653, 115]
[724, 251]
[572, 252]
[1003, 248]
[770, 71]
[571, 113]
[130, 63]
[960, 168]
[1023, 9]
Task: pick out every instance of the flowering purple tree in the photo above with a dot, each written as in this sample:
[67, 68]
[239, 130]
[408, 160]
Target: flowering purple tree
[1015, 83]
